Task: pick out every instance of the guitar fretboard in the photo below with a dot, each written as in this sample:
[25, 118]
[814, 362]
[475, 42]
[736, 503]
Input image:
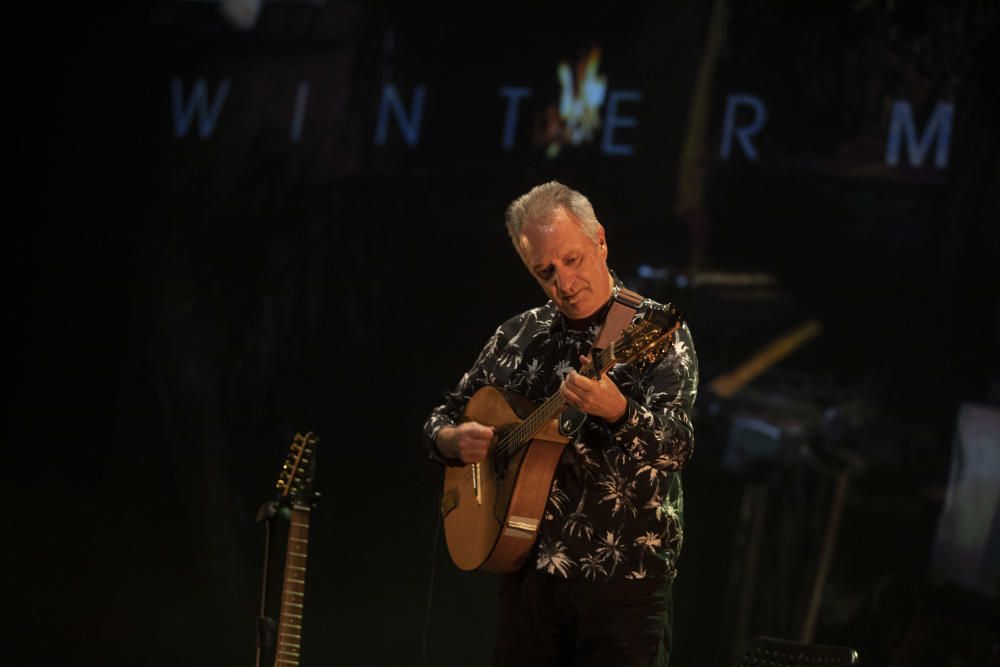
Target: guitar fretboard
[521, 435]
[635, 342]
[293, 589]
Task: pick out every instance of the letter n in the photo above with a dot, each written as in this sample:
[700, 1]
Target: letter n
[409, 124]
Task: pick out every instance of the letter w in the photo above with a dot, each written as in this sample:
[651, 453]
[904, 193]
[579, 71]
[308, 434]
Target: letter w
[196, 104]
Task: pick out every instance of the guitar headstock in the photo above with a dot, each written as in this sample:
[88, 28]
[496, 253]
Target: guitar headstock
[296, 477]
[647, 340]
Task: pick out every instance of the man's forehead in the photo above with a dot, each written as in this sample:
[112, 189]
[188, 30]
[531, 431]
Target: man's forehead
[543, 243]
[535, 240]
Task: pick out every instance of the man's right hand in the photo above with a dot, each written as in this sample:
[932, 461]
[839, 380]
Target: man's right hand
[466, 442]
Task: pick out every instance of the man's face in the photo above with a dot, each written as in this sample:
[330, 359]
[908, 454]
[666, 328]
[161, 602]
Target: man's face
[570, 266]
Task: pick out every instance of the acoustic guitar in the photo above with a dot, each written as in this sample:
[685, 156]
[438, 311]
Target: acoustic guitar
[492, 509]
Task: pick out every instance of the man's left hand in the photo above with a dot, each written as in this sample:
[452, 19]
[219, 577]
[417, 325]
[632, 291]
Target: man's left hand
[600, 398]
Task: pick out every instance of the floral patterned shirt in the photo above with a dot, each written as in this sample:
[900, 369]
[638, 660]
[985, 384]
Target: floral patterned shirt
[615, 507]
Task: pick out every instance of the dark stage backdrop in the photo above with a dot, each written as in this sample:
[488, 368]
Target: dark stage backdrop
[224, 233]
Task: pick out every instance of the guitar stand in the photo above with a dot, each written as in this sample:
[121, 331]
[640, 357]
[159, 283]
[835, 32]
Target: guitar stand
[267, 626]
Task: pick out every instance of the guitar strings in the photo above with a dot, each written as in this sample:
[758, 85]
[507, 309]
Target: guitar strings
[520, 434]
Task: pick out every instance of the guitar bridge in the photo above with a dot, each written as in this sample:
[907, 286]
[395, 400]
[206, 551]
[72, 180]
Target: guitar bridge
[521, 527]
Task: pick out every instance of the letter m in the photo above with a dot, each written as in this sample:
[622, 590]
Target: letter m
[185, 111]
[938, 132]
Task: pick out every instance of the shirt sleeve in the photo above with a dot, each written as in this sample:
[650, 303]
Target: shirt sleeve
[449, 412]
[656, 428]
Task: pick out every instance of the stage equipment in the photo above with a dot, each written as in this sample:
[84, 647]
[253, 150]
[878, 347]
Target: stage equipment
[966, 550]
[773, 652]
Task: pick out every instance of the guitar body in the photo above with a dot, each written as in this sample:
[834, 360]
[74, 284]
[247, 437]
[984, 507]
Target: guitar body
[495, 529]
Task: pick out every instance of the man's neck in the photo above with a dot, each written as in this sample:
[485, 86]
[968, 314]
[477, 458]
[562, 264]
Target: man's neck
[585, 323]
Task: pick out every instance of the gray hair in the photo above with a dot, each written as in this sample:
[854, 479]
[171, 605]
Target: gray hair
[541, 202]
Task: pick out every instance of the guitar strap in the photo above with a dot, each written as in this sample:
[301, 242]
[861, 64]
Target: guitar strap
[623, 308]
[626, 302]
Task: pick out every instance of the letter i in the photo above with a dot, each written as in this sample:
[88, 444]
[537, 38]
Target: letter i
[299, 115]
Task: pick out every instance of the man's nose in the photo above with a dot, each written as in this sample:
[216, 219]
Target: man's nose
[564, 280]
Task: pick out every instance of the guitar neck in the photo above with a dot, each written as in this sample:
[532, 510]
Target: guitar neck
[547, 411]
[645, 343]
[293, 589]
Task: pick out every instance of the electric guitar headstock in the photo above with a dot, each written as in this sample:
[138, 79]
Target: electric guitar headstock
[294, 485]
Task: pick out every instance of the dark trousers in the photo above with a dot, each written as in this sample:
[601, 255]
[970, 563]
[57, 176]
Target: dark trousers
[545, 620]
